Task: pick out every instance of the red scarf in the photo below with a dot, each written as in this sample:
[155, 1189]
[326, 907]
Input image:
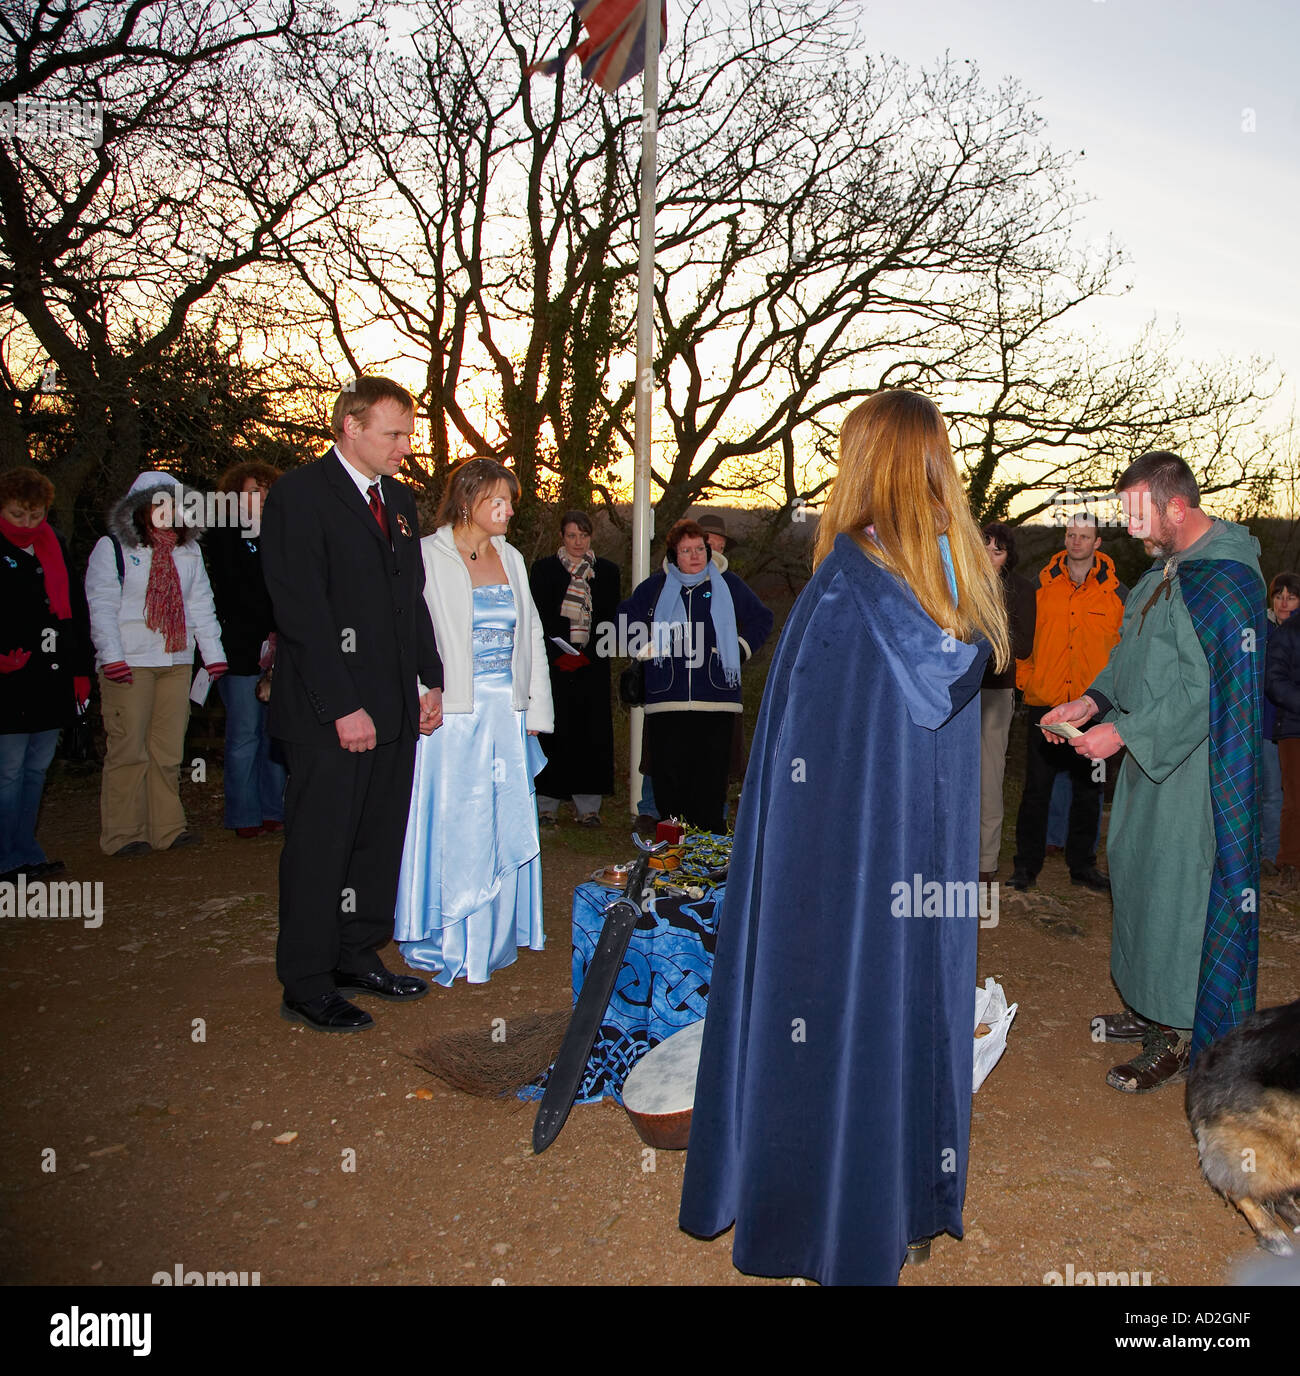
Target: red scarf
[164, 604]
[49, 556]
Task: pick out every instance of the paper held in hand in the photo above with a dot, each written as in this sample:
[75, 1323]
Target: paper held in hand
[199, 688]
[1061, 728]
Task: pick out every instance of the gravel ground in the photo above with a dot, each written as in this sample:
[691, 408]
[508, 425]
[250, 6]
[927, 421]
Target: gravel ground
[151, 1087]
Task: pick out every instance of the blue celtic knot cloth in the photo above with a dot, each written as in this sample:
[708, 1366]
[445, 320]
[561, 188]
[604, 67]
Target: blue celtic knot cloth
[662, 987]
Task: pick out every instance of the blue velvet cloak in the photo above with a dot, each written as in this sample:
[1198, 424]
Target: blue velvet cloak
[832, 1107]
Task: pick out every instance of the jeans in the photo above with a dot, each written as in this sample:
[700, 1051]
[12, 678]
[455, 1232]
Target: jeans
[1058, 815]
[646, 807]
[254, 781]
[24, 758]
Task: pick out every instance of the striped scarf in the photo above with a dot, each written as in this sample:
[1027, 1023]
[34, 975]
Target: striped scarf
[576, 606]
[1224, 600]
[164, 604]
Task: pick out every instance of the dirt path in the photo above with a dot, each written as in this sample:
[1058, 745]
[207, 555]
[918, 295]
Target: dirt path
[163, 1128]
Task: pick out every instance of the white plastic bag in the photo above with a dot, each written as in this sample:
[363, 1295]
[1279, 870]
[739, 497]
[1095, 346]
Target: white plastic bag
[991, 1010]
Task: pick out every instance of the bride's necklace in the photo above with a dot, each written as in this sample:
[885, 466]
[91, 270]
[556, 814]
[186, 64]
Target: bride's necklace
[473, 553]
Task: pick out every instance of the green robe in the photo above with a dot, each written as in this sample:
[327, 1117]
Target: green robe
[1161, 846]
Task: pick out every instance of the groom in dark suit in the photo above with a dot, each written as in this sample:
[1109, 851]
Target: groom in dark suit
[341, 554]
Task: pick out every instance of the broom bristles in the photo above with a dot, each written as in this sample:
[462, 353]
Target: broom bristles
[476, 1063]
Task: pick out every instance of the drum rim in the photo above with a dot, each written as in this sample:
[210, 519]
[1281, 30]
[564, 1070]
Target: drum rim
[664, 1113]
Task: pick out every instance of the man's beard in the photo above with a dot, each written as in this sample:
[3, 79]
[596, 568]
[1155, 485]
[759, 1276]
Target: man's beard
[1162, 544]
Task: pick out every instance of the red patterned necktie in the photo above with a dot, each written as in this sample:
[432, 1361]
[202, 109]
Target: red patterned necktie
[377, 509]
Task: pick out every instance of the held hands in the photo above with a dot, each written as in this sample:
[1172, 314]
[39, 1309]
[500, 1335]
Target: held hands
[568, 663]
[216, 670]
[81, 691]
[13, 661]
[356, 731]
[430, 711]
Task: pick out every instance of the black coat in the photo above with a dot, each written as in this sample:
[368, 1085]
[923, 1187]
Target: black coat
[40, 695]
[580, 752]
[353, 626]
[1282, 677]
[1021, 600]
[243, 603]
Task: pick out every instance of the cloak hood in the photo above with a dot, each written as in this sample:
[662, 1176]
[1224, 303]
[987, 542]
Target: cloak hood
[141, 495]
[1224, 540]
[934, 672]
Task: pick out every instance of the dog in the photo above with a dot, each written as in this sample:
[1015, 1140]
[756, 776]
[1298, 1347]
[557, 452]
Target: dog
[1243, 1105]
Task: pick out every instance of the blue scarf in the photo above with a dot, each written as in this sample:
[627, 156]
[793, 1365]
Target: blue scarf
[670, 611]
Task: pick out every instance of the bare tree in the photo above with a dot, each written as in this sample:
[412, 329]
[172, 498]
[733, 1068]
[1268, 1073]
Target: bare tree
[829, 223]
[193, 168]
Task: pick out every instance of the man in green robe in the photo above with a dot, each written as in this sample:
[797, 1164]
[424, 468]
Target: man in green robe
[1181, 691]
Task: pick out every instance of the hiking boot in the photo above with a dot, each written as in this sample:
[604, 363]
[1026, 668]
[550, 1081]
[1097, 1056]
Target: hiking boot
[1163, 1061]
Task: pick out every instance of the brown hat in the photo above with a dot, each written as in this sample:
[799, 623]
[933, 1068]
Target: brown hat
[715, 525]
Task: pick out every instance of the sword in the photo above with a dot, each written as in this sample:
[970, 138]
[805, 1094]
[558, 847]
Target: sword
[598, 984]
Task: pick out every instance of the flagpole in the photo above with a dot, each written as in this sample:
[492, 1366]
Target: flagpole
[645, 343]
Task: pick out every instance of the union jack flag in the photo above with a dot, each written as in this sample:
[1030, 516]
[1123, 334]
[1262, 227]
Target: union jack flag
[614, 49]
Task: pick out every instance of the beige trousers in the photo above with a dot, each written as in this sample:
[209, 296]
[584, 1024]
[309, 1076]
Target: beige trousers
[996, 708]
[145, 721]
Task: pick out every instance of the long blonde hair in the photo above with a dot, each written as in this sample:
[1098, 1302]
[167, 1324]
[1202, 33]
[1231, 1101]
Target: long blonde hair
[897, 474]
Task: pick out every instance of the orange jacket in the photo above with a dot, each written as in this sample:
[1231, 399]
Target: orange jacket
[1076, 628]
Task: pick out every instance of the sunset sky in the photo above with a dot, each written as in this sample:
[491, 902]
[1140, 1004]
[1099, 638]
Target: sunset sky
[1161, 95]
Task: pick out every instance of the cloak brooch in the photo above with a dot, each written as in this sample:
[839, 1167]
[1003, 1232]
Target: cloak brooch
[1165, 588]
[402, 526]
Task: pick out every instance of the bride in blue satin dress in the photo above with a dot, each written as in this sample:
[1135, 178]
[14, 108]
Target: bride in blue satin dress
[470, 891]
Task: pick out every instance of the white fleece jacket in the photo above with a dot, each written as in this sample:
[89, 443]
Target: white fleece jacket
[449, 593]
[117, 624]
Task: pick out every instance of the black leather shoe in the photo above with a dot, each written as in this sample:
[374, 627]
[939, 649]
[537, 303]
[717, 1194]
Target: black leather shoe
[1021, 879]
[329, 1013]
[1091, 879]
[383, 984]
[1127, 1026]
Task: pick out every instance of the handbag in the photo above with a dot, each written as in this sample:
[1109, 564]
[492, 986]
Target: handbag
[631, 684]
[79, 739]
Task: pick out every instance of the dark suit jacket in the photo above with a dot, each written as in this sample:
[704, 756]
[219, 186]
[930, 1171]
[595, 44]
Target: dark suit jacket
[354, 628]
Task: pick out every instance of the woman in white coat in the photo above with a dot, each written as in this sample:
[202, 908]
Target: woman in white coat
[470, 891]
[150, 603]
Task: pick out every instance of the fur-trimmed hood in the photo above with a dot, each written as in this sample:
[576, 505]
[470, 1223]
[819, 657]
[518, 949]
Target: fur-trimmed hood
[141, 495]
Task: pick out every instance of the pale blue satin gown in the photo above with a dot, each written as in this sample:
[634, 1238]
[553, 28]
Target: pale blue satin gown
[470, 891]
